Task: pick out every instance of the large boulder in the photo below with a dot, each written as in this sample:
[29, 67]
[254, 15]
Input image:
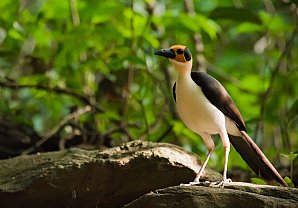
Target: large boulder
[110, 178]
[239, 195]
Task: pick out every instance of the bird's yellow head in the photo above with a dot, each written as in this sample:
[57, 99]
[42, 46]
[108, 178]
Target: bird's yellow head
[179, 56]
[178, 53]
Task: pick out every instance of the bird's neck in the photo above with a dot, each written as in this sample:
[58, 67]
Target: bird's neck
[183, 69]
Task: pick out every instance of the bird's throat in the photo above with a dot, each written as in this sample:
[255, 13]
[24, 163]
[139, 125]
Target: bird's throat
[183, 68]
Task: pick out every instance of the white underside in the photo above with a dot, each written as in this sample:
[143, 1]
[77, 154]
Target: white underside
[198, 113]
[201, 116]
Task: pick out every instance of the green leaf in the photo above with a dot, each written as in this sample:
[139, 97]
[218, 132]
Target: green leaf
[274, 23]
[293, 111]
[289, 182]
[2, 35]
[258, 181]
[291, 157]
[15, 34]
[152, 40]
[248, 27]
[42, 36]
[56, 9]
[234, 14]
[208, 25]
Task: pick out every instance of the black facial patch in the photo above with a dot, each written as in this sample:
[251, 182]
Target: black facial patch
[187, 54]
[179, 51]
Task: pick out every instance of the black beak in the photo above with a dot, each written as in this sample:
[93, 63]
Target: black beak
[168, 53]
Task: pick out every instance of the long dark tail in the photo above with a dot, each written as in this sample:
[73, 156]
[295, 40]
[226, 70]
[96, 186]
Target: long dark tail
[255, 158]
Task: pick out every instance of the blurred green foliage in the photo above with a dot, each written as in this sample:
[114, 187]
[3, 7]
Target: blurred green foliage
[103, 50]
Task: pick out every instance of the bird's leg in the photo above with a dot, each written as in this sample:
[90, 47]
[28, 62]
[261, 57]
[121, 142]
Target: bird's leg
[197, 179]
[210, 146]
[227, 151]
[226, 144]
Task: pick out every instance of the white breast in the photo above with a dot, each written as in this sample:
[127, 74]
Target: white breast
[195, 109]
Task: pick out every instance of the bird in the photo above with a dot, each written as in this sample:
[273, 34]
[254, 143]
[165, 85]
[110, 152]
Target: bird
[206, 108]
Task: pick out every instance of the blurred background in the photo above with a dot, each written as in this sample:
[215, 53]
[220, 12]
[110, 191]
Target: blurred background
[82, 73]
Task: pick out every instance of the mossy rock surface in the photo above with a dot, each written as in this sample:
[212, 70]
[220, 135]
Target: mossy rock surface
[110, 178]
[239, 195]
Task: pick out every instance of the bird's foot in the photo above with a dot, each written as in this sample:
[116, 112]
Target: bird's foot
[220, 184]
[193, 183]
[196, 183]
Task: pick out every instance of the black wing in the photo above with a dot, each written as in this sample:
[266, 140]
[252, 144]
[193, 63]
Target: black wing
[174, 92]
[219, 97]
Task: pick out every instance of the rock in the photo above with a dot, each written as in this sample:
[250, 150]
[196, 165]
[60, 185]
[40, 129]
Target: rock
[233, 195]
[15, 137]
[110, 178]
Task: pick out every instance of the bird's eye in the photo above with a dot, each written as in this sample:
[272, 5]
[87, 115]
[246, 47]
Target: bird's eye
[180, 51]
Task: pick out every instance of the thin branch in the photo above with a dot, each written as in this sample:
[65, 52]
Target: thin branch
[83, 98]
[120, 128]
[274, 73]
[74, 12]
[147, 130]
[75, 16]
[269, 6]
[130, 75]
[150, 128]
[68, 137]
[221, 73]
[278, 65]
[58, 128]
[200, 59]
[149, 7]
[164, 134]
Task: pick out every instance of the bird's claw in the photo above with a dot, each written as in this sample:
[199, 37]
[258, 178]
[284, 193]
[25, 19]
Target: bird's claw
[196, 183]
[220, 184]
[216, 184]
[190, 184]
